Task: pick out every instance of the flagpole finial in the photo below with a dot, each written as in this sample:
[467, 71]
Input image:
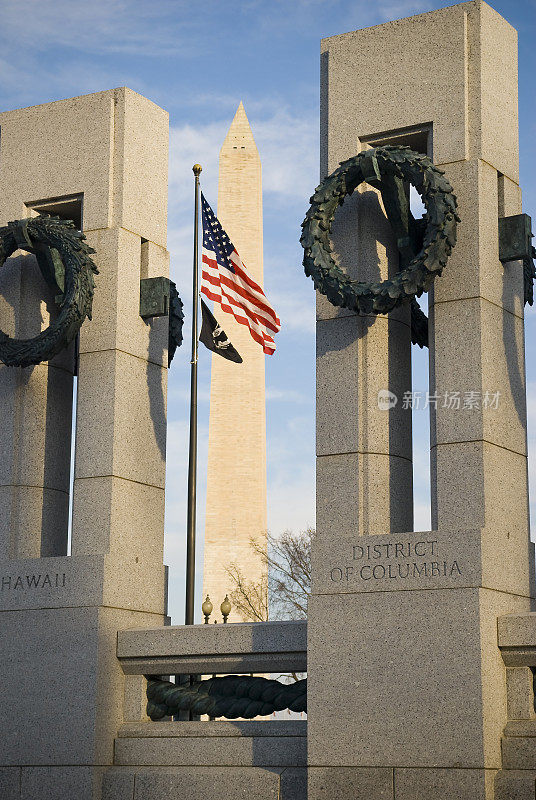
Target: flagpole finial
[197, 169]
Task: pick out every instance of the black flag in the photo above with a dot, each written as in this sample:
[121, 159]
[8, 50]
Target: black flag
[214, 337]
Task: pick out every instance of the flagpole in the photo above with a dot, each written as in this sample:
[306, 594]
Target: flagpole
[192, 462]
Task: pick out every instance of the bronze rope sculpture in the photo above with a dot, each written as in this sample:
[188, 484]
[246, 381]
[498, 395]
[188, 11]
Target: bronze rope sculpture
[232, 696]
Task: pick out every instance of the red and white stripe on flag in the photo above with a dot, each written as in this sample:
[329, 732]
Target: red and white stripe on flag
[225, 280]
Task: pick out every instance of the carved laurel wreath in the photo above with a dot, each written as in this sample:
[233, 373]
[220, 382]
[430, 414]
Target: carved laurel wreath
[438, 238]
[63, 257]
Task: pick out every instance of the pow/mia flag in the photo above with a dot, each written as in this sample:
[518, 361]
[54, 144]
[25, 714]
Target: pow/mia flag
[214, 337]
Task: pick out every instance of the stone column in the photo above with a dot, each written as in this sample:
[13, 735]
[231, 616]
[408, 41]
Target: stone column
[236, 472]
[364, 464]
[414, 703]
[36, 402]
[62, 687]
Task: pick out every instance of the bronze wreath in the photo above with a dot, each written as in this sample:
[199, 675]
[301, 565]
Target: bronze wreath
[424, 250]
[63, 257]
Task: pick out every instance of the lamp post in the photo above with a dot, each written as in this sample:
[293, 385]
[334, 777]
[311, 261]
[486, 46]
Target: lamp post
[225, 608]
[207, 609]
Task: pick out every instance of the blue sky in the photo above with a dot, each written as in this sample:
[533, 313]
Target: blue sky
[198, 60]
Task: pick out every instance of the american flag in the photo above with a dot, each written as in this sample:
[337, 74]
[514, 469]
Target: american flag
[224, 279]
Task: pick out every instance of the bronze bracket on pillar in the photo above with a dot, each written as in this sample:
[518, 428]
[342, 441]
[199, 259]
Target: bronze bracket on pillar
[159, 298]
[515, 244]
[154, 297]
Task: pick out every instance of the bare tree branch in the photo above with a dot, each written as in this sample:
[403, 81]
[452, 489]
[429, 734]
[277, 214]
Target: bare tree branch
[282, 593]
[249, 599]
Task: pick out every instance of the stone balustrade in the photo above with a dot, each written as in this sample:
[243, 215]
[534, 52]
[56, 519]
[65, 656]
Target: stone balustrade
[248, 647]
[215, 759]
[236, 647]
[517, 643]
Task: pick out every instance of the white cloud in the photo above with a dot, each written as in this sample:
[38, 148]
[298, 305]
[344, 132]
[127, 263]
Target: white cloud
[531, 406]
[288, 144]
[191, 144]
[291, 504]
[363, 14]
[286, 396]
[181, 392]
[116, 26]
[421, 516]
[296, 309]
[402, 8]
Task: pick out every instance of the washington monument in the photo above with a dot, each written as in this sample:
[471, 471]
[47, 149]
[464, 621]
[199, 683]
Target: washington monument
[236, 476]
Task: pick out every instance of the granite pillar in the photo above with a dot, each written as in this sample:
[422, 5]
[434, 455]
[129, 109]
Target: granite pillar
[363, 431]
[35, 444]
[415, 701]
[103, 156]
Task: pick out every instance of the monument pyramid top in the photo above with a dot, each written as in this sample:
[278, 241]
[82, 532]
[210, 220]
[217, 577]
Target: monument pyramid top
[239, 136]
